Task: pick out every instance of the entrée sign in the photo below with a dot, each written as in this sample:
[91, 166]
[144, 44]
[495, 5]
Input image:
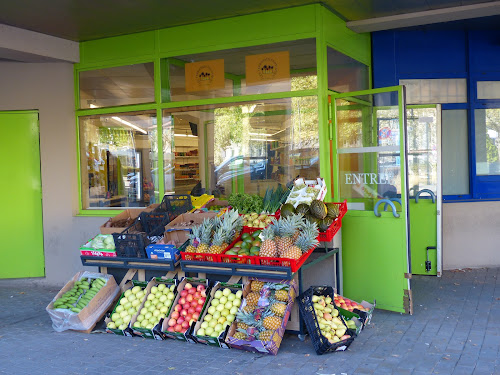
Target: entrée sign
[365, 178]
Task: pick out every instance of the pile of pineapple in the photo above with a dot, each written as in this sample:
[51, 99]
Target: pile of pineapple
[288, 237]
[214, 235]
[262, 311]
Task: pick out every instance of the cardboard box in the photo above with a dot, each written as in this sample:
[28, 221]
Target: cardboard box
[180, 234]
[87, 250]
[131, 213]
[91, 313]
[187, 335]
[127, 331]
[271, 346]
[219, 341]
[155, 332]
[364, 316]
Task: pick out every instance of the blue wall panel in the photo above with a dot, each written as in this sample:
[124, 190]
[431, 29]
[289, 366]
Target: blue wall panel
[484, 52]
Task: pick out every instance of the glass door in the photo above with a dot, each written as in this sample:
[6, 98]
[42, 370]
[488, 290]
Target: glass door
[369, 147]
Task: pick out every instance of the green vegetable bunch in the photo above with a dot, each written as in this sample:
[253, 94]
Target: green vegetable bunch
[246, 203]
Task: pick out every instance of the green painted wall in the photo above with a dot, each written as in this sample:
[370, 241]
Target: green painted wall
[21, 229]
[423, 233]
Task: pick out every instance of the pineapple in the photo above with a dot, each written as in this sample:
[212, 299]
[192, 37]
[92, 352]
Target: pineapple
[265, 335]
[205, 235]
[268, 246]
[252, 298]
[281, 293]
[217, 242]
[241, 325]
[278, 308]
[240, 335]
[248, 308]
[307, 239]
[192, 236]
[256, 285]
[297, 221]
[286, 231]
[271, 321]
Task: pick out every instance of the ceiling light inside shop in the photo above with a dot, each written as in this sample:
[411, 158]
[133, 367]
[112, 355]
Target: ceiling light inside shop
[124, 122]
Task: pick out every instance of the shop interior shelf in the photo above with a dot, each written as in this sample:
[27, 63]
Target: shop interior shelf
[128, 263]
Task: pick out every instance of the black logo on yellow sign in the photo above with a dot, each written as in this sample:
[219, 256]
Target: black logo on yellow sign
[267, 69]
[205, 75]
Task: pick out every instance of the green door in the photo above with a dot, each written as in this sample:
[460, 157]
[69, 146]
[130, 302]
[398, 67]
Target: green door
[21, 253]
[370, 153]
[424, 171]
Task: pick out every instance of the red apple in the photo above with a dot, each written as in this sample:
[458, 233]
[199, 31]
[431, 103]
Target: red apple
[182, 301]
[194, 303]
[180, 320]
[187, 286]
[175, 315]
[186, 306]
[203, 293]
[178, 307]
[184, 313]
[185, 324]
[198, 308]
[196, 315]
[197, 295]
[200, 287]
[171, 329]
[184, 293]
[191, 310]
[189, 297]
[188, 317]
[201, 301]
[192, 291]
[178, 328]
[172, 322]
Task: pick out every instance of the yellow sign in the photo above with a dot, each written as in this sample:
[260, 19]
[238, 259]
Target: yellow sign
[204, 75]
[267, 67]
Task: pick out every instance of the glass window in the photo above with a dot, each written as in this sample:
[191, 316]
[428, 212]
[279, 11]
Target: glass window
[346, 74]
[432, 91]
[422, 149]
[244, 147]
[488, 90]
[369, 150]
[302, 71]
[455, 152]
[119, 160]
[487, 128]
[121, 85]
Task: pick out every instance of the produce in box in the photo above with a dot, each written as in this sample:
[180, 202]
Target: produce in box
[323, 214]
[127, 308]
[331, 326]
[221, 313]
[248, 245]
[187, 309]
[80, 295]
[156, 307]
[348, 304]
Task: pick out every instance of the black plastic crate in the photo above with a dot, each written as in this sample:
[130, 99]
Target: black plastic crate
[132, 242]
[175, 205]
[154, 223]
[307, 313]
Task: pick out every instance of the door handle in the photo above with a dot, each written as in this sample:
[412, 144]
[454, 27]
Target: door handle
[387, 201]
[393, 200]
[433, 196]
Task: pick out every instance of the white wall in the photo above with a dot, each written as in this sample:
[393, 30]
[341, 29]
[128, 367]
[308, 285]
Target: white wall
[49, 88]
[471, 235]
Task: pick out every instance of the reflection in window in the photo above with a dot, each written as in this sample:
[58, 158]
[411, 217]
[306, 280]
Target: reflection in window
[455, 152]
[487, 141]
[122, 85]
[251, 146]
[346, 74]
[303, 74]
[118, 155]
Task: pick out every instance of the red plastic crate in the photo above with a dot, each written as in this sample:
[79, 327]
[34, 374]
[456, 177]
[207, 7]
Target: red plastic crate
[337, 223]
[202, 257]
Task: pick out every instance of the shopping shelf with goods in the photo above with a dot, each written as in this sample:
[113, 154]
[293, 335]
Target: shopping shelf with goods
[251, 316]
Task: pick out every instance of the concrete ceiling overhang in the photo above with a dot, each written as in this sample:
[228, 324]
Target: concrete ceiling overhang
[64, 21]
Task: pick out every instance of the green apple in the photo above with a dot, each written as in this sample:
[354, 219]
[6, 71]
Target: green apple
[239, 294]
[151, 297]
[131, 297]
[233, 310]
[123, 314]
[119, 322]
[211, 310]
[164, 309]
[159, 305]
[115, 317]
[161, 287]
[154, 301]
[218, 294]
[215, 302]
[126, 319]
[172, 288]
[218, 328]
[151, 308]
[230, 318]
[123, 301]
[137, 325]
[154, 290]
[170, 295]
[148, 315]
[163, 298]
[226, 292]
[209, 331]
[217, 315]
[204, 325]
[111, 325]
[156, 313]
[201, 332]
[127, 293]
[119, 308]
[168, 302]
[131, 311]
[224, 312]
[136, 303]
[221, 320]
[223, 300]
[140, 318]
[228, 305]
[144, 310]
[139, 295]
[231, 297]
[147, 304]
[121, 327]
[136, 289]
[220, 307]
[212, 323]
[237, 302]
[208, 318]
[150, 326]
[158, 294]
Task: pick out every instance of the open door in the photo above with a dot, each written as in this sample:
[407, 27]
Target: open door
[369, 150]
